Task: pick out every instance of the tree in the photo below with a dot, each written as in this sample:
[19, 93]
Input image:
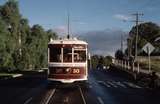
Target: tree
[119, 54]
[9, 13]
[22, 61]
[51, 34]
[148, 32]
[21, 46]
[94, 61]
[101, 62]
[107, 60]
[6, 60]
[38, 46]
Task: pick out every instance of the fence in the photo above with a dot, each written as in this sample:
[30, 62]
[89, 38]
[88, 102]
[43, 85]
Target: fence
[131, 67]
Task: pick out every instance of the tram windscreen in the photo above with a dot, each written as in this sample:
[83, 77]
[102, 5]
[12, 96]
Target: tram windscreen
[67, 54]
[54, 54]
[79, 56]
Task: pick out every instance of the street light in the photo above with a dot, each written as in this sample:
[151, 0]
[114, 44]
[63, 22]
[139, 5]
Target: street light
[10, 28]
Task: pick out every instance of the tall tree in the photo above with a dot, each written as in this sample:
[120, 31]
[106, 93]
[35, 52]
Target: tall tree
[21, 47]
[6, 60]
[94, 61]
[148, 32]
[51, 34]
[22, 54]
[38, 46]
[119, 54]
[11, 16]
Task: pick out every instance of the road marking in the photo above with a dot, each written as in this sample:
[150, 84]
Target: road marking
[27, 101]
[120, 84]
[132, 85]
[40, 71]
[101, 82]
[100, 100]
[106, 84]
[50, 96]
[17, 75]
[111, 83]
[82, 95]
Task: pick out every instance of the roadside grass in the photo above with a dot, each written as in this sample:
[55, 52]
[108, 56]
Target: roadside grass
[6, 74]
[18, 73]
[155, 65]
[9, 75]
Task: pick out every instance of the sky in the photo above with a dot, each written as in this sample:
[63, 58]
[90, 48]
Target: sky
[103, 18]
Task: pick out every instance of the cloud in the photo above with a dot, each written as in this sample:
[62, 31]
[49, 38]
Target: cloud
[122, 17]
[79, 22]
[61, 30]
[104, 42]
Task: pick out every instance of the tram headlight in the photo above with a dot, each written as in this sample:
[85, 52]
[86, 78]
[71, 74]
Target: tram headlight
[67, 70]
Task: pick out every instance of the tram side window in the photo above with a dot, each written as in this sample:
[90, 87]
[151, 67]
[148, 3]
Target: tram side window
[55, 54]
[79, 56]
[67, 54]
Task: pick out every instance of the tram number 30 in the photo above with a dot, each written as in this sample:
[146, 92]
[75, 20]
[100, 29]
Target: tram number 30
[76, 70]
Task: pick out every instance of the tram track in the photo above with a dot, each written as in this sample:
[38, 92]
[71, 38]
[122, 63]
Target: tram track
[82, 95]
[68, 95]
[51, 94]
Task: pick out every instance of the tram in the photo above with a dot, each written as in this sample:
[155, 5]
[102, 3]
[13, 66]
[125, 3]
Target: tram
[67, 60]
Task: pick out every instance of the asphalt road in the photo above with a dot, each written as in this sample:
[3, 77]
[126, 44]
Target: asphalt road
[103, 87]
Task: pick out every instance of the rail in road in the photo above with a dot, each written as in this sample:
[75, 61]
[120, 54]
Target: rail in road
[103, 87]
[64, 95]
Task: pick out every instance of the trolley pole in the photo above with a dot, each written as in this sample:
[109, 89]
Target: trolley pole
[68, 19]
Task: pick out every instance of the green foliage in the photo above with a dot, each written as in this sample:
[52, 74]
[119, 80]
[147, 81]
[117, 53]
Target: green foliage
[100, 61]
[148, 32]
[119, 54]
[94, 61]
[5, 55]
[39, 46]
[108, 60]
[51, 34]
[21, 46]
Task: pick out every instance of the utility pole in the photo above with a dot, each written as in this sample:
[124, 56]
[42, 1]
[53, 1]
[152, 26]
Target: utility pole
[20, 39]
[121, 42]
[129, 46]
[137, 22]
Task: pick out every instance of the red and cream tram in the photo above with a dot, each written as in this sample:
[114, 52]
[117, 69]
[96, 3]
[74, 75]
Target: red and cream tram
[67, 60]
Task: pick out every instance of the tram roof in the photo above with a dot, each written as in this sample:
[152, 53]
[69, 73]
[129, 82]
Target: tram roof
[67, 41]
